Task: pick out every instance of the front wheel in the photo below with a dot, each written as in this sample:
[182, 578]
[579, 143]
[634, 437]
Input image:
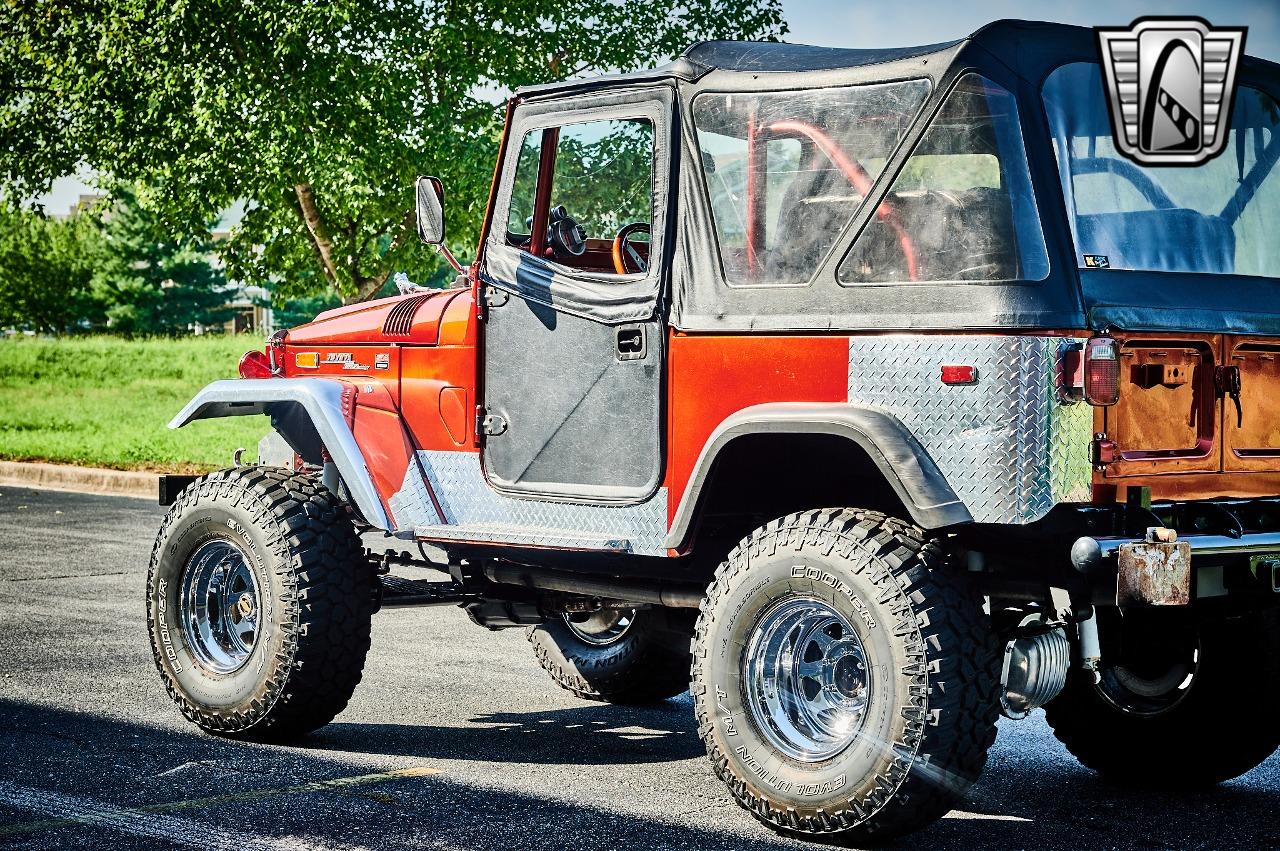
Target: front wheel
[259, 604]
[844, 680]
[1177, 704]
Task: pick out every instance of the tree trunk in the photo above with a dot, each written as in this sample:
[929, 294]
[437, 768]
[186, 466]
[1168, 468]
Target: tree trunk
[319, 234]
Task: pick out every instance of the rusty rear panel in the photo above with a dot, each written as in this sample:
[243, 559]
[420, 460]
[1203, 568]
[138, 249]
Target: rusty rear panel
[1252, 433]
[1167, 419]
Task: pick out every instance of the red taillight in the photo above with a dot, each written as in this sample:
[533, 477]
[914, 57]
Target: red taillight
[255, 364]
[956, 374]
[1102, 371]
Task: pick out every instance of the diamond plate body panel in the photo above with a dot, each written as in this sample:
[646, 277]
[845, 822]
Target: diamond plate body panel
[1006, 445]
[411, 506]
[474, 511]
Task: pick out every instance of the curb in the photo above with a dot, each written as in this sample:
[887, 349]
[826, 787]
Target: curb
[65, 477]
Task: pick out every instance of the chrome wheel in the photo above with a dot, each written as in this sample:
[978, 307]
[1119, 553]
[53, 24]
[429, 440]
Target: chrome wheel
[601, 628]
[807, 679]
[220, 606]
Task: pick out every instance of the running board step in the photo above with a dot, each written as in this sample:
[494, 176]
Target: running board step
[397, 592]
[502, 533]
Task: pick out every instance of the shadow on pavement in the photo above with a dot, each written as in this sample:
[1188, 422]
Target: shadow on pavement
[1037, 800]
[598, 734]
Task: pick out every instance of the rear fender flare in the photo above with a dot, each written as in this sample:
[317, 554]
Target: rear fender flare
[321, 399]
[901, 459]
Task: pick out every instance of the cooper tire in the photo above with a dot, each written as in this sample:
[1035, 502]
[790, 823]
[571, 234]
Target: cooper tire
[1209, 730]
[930, 676]
[259, 604]
[645, 663]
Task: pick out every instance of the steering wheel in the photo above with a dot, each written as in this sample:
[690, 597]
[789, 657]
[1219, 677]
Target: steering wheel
[565, 236]
[1130, 173]
[624, 253]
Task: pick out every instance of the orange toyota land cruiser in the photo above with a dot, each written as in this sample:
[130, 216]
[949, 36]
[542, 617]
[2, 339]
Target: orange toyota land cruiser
[868, 394]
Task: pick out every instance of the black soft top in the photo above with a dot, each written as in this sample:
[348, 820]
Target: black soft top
[1030, 49]
[1015, 55]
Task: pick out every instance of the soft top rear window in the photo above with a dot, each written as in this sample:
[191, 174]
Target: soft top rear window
[1215, 218]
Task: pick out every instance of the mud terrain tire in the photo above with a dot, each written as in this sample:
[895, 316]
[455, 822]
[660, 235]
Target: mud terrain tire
[1218, 730]
[931, 658]
[646, 663]
[290, 545]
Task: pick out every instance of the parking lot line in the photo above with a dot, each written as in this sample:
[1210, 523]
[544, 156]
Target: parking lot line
[70, 810]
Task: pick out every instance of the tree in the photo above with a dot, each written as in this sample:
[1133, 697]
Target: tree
[147, 281]
[46, 266]
[319, 114]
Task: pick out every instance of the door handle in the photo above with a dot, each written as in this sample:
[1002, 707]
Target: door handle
[630, 342]
[1226, 380]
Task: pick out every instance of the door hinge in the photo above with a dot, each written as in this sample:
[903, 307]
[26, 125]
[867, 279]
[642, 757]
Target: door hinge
[494, 297]
[489, 424]
[1104, 452]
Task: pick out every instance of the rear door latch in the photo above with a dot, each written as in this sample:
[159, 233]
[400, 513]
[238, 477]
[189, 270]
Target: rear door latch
[1226, 380]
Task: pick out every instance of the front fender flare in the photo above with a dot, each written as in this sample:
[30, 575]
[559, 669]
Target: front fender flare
[321, 399]
[903, 461]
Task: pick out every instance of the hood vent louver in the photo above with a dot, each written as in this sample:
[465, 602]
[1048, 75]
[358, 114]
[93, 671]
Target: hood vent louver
[399, 321]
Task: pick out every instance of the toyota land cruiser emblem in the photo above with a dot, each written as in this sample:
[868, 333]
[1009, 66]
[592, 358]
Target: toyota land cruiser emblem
[1170, 82]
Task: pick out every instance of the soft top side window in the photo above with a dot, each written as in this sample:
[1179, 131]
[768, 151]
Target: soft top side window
[962, 207]
[786, 171]
[596, 211]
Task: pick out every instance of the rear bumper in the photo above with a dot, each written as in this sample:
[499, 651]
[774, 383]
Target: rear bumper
[1165, 570]
[1249, 543]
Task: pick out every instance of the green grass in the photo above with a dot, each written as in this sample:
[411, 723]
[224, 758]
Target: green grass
[105, 402]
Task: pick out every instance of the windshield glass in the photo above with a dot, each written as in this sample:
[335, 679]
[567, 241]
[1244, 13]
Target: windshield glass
[1212, 218]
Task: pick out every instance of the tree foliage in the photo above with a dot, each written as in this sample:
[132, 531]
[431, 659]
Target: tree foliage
[318, 113]
[147, 281]
[46, 268]
[113, 267]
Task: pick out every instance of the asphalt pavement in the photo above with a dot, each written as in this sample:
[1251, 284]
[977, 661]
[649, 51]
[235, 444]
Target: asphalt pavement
[455, 739]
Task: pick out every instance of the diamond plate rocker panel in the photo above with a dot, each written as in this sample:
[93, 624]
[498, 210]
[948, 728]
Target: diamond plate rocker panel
[1006, 445]
[473, 511]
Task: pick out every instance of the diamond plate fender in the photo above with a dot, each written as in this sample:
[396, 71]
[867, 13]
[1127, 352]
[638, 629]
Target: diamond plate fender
[321, 399]
[1006, 444]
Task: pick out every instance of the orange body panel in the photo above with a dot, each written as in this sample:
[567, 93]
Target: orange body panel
[1252, 436]
[361, 324]
[1164, 428]
[333, 362]
[387, 452]
[711, 377]
[435, 384]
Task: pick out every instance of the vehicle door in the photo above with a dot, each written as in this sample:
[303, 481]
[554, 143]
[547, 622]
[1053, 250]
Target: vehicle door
[573, 337]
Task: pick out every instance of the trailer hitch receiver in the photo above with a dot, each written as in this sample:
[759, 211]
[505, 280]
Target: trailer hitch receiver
[1154, 572]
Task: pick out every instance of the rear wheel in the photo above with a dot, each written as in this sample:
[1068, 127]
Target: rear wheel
[1177, 703]
[617, 655]
[844, 680]
[259, 604]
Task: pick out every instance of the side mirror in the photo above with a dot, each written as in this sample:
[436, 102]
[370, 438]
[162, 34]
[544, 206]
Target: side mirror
[430, 192]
